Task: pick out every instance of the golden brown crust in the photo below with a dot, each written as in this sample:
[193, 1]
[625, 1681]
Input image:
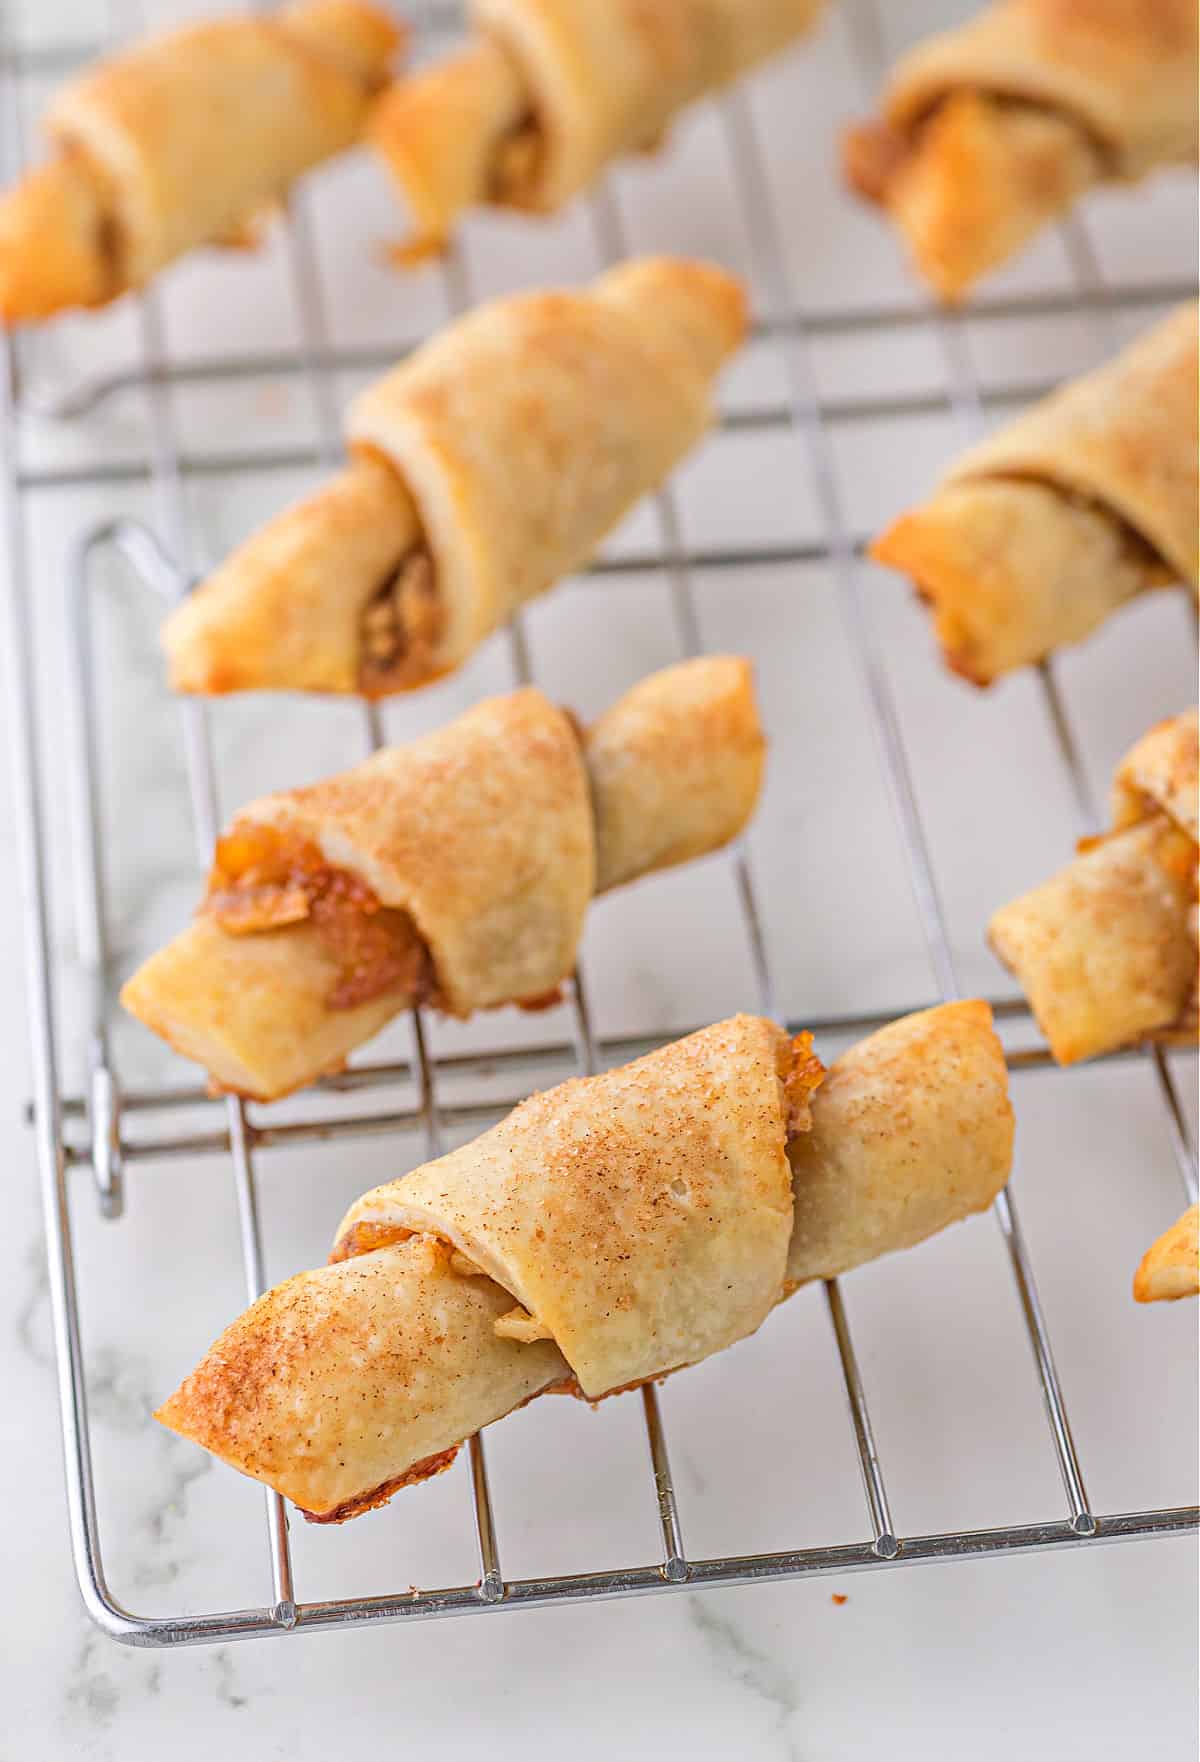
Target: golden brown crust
[675, 767]
[284, 612]
[549, 92]
[386, 1490]
[1088, 499]
[1123, 437]
[690, 316]
[527, 430]
[61, 208]
[979, 179]
[1124, 70]
[602, 77]
[912, 1130]
[342, 1386]
[1162, 771]
[357, 35]
[804, 1076]
[342, 1381]
[365, 1238]
[1106, 949]
[1170, 1267]
[481, 832]
[199, 127]
[455, 870]
[872, 155]
[480, 835]
[182, 140]
[441, 134]
[642, 1215]
[1012, 571]
[500, 455]
[996, 126]
[253, 1010]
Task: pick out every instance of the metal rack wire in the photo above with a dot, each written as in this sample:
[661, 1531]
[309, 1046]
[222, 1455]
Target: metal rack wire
[91, 1131]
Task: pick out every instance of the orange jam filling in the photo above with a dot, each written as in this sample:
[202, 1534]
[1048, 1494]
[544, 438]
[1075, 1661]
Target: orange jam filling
[517, 166]
[366, 1236]
[805, 1076]
[264, 879]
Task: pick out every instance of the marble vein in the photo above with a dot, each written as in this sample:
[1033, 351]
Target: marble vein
[764, 1677]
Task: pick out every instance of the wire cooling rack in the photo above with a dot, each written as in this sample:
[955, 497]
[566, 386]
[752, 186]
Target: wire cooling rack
[110, 1128]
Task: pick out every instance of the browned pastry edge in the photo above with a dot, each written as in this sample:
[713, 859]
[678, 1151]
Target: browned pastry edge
[364, 1502]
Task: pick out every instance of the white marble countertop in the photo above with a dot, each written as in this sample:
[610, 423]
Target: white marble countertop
[1087, 1653]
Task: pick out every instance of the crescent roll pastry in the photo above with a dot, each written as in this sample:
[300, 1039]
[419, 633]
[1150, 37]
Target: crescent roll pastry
[608, 1231]
[1170, 1267]
[548, 92]
[1106, 951]
[455, 870]
[997, 127]
[640, 1218]
[911, 1130]
[345, 1384]
[1090, 497]
[183, 140]
[486, 467]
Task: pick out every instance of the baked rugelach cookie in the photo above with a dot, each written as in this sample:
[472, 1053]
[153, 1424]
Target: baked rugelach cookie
[548, 92]
[1170, 1267]
[1049, 525]
[185, 139]
[608, 1231]
[997, 127]
[485, 468]
[455, 870]
[1106, 951]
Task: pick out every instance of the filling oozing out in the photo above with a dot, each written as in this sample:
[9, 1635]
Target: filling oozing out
[517, 167]
[803, 1077]
[365, 1237]
[877, 152]
[799, 1082]
[1136, 550]
[265, 879]
[92, 195]
[401, 626]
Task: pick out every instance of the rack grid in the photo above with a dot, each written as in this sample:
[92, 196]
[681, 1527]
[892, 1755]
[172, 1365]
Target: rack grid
[90, 1131]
